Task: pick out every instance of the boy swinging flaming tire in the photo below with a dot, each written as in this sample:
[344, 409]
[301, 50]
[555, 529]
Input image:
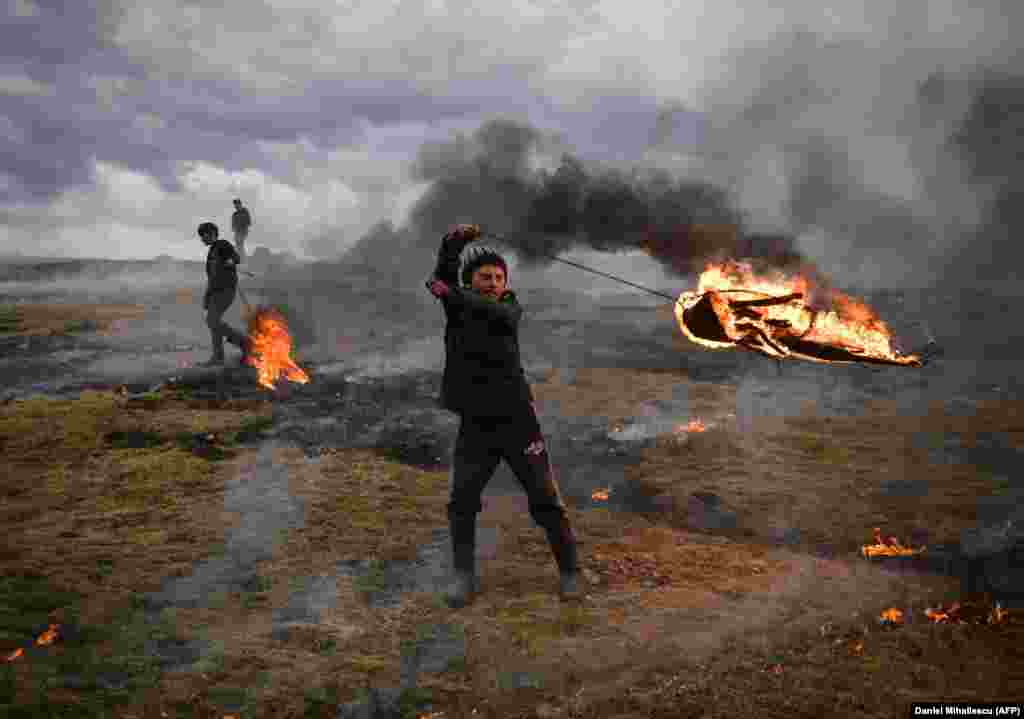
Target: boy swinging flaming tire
[484, 383]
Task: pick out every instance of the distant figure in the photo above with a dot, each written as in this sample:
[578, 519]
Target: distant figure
[222, 284]
[240, 222]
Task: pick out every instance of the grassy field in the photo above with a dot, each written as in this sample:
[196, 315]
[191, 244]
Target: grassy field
[104, 496]
[30, 319]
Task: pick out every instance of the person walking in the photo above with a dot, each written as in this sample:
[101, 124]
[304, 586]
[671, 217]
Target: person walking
[241, 220]
[222, 285]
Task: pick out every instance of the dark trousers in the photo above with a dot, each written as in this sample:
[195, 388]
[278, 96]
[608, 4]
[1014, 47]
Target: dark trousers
[240, 237]
[218, 303]
[481, 444]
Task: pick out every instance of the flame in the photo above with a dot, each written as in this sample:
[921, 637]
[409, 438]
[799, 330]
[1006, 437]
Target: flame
[600, 495]
[891, 547]
[784, 324]
[891, 616]
[271, 348]
[998, 615]
[694, 425]
[47, 637]
[940, 615]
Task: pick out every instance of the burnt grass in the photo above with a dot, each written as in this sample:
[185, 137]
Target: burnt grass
[754, 649]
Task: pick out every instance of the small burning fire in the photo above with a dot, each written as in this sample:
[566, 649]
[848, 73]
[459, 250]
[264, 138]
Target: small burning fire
[600, 495]
[47, 637]
[694, 425]
[891, 616]
[271, 349]
[890, 547]
[735, 307]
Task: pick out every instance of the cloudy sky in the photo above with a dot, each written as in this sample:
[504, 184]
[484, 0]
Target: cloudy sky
[124, 124]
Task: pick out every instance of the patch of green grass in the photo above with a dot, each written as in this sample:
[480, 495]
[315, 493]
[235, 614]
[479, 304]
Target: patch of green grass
[518, 680]
[198, 445]
[26, 602]
[133, 439]
[104, 568]
[367, 663]
[317, 700]
[74, 326]
[256, 592]
[457, 665]
[9, 319]
[413, 701]
[100, 681]
[212, 661]
[327, 647]
[256, 424]
[232, 700]
[250, 430]
[372, 580]
[531, 630]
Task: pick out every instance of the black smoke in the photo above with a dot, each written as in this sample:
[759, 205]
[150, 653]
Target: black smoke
[488, 179]
[892, 151]
[991, 142]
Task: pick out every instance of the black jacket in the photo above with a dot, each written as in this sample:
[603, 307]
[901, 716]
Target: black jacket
[483, 374]
[221, 266]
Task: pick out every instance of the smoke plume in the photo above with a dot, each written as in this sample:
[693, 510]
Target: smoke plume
[490, 179]
[890, 149]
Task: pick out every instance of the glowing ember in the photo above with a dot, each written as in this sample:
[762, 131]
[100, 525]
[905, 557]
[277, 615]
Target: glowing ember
[600, 495]
[890, 547]
[998, 615]
[47, 637]
[271, 349]
[694, 425]
[734, 307]
[891, 616]
[940, 615]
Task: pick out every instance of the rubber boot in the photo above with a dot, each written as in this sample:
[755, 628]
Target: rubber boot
[568, 587]
[466, 584]
[462, 590]
[563, 547]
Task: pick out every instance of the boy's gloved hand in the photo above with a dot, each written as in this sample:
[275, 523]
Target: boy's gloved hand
[466, 232]
[438, 288]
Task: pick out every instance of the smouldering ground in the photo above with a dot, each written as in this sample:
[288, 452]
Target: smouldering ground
[105, 495]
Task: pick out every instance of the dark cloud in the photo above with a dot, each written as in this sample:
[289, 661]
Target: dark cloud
[488, 179]
[93, 99]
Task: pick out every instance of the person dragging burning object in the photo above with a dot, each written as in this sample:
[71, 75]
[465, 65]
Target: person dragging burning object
[484, 383]
[222, 285]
